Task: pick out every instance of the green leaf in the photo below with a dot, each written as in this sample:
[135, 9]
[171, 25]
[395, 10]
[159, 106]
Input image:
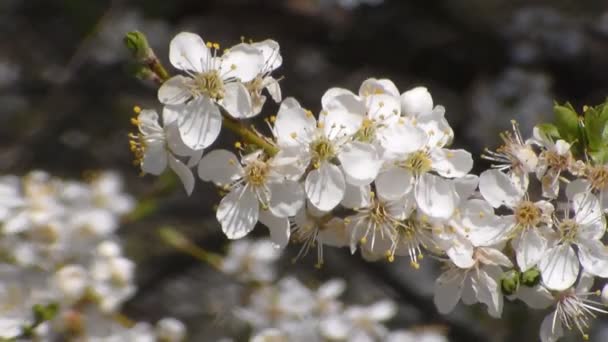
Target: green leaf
[566, 121]
[595, 126]
[600, 156]
[548, 131]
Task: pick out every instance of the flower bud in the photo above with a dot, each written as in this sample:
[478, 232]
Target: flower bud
[531, 277]
[137, 43]
[509, 282]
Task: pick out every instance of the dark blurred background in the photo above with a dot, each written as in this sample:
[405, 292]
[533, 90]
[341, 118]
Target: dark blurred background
[66, 97]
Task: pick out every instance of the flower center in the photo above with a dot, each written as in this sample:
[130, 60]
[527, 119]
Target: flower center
[555, 160]
[598, 176]
[527, 214]
[322, 150]
[256, 172]
[419, 163]
[209, 83]
[367, 132]
[377, 214]
[568, 229]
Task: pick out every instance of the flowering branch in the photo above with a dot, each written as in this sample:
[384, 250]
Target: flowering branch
[384, 156]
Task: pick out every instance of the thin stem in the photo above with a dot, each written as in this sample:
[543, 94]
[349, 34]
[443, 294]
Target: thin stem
[183, 244]
[157, 67]
[249, 136]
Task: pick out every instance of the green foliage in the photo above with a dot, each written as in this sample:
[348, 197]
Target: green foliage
[509, 282]
[566, 122]
[586, 132]
[42, 313]
[596, 132]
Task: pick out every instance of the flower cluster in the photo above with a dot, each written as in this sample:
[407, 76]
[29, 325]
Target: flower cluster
[288, 310]
[373, 171]
[59, 249]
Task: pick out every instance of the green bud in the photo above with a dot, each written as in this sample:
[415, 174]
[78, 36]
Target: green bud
[137, 43]
[531, 277]
[509, 282]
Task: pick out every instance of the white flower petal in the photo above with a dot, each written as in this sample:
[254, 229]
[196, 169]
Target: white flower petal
[360, 162]
[174, 91]
[461, 253]
[271, 52]
[325, 186]
[594, 257]
[243, 62]
[537, 297]
[332, 94]
[416, 101]
[187, 51]
[221, 167]
[238, 212]
[559, 267]
[435, 196]
[148, 122]
[273, 87]
[237, 101]
[484, 228]
[436, 127]
[183, 172]
[529, 247]
[199, 122]
[402, 138]
[562, 147]
[488, 289]
[342, 117]
[550, 332]
[356, 196]
[155, 158]
[448, 289]
[175, 142]
[286, 198]
[497, 189]
[588, 211]
[278, 228]
[451, 163]
[373, 86]
[383, 108]
[466, 186]
[393, 183]
[293, 125]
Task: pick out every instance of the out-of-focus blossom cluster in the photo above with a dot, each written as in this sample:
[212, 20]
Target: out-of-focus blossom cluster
[58, 247]
[525, 96]
[288, 310]
[373, 171]
[543, 33]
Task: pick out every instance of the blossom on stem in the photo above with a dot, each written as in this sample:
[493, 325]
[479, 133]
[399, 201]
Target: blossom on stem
[156, 146]
[256, 182]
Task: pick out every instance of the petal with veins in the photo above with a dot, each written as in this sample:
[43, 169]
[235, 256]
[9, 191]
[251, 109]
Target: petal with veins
[325, 186]
[238, 212]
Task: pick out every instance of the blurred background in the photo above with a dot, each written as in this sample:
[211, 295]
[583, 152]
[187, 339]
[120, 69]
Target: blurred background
[66, 97]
